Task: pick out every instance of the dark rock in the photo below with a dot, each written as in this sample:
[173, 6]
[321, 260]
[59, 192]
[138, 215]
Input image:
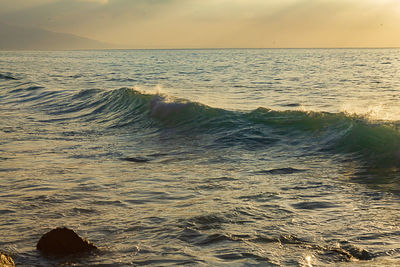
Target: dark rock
[63, 241]
[6, 261]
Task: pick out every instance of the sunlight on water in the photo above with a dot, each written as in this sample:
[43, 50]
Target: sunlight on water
[308, 259]
[269, 157]
[373, 110]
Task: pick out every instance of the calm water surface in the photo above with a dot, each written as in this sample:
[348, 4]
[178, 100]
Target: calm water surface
[203, 157]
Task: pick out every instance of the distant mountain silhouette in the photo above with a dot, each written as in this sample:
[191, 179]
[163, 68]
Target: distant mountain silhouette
[22, 38]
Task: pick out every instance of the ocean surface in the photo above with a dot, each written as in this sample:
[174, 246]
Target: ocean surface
[230, 157]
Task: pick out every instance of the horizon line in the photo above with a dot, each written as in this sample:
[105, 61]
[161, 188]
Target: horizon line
[196, 48]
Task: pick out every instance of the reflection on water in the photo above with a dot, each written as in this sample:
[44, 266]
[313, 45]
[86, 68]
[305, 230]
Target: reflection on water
[209, 178]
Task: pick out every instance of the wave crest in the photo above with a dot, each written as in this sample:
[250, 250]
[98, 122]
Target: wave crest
[376, 144]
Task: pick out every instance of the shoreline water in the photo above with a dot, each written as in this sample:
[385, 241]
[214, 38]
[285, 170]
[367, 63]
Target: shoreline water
[222, 157]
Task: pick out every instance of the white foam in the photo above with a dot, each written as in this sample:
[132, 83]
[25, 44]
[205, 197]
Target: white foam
[371, 111]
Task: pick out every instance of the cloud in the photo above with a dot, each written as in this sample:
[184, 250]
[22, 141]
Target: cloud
[9, 6]
[215, 23]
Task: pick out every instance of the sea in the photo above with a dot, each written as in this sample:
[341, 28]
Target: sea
[209, 157]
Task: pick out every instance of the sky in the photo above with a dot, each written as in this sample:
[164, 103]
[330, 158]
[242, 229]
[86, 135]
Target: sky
[215, 23]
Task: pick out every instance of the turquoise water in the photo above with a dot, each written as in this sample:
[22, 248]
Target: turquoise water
[270, 157]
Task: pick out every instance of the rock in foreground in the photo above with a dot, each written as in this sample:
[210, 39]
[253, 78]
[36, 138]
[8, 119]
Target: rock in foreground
[6, 261]
[63, 241]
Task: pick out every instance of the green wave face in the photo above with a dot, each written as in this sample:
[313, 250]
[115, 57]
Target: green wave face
[375, 145]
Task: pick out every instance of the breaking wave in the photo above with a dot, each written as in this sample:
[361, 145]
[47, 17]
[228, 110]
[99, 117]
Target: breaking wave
[375, 144]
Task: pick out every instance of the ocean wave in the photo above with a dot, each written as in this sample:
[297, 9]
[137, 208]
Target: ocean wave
[343, 251]
[374, 143]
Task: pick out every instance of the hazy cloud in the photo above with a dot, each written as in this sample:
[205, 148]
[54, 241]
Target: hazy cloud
[215, 23]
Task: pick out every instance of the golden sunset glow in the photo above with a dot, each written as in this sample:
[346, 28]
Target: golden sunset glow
[214, 23]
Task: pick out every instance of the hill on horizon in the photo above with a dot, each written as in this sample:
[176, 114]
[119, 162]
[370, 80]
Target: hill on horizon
[14, 37]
